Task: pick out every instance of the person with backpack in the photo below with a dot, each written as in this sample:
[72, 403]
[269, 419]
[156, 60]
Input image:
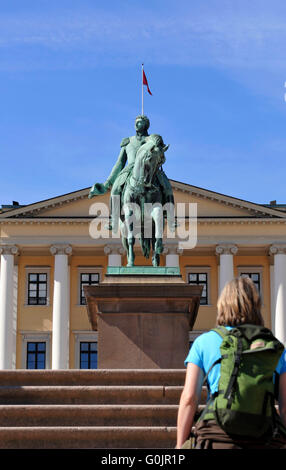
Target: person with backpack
[244, 368]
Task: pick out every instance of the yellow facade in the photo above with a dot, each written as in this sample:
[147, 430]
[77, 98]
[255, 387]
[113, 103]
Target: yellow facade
[222, 220]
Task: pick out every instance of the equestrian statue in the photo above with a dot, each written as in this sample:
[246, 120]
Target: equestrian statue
[140, 183]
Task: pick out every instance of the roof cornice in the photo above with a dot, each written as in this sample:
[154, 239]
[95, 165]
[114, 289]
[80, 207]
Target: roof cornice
[58, 201]
[227, 200]
[87, 220]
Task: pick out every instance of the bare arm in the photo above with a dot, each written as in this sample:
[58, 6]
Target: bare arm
[282, 397]
[188, 403]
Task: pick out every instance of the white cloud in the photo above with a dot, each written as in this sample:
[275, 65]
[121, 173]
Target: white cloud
[213, 33]
[246, 40]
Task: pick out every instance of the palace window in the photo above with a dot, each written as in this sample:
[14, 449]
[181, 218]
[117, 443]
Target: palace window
[88, 355]
[37, 285]
[36, 355]
[200, 278]
[86, 351]
[36, 350]
[87, 279]
[87, 276]
[200, 275]
[37, 289]
[255, 274]
[255, 277]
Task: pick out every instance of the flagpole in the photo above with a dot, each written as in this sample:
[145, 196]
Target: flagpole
[142, 92]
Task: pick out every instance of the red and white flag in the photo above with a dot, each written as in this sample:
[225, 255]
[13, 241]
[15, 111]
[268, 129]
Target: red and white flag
[145, 81]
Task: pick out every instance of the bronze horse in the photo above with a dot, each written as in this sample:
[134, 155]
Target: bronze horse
[141, 188]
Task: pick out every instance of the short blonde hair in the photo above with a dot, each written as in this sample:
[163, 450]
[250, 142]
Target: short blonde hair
[239, 303]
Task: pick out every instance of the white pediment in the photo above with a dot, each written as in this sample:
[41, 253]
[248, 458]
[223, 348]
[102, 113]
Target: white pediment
[209, 204]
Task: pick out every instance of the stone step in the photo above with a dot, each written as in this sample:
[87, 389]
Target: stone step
[93, 377]
[88, 415]
[90, 395]
[107, 437]
[90, 409]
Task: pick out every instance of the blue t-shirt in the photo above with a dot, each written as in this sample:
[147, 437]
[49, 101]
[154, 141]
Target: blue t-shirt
[206, 350]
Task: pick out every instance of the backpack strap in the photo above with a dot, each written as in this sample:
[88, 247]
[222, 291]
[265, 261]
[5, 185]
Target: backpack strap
[222, 331]
[237, 358]
[208, 413]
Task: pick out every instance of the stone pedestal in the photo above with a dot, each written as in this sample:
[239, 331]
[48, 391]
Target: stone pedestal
[143, 317]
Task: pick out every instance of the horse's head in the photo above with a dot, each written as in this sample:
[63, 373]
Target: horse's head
[150, 156]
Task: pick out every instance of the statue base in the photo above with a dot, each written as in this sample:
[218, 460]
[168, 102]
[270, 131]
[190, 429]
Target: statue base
[143, 316]
[143, 271]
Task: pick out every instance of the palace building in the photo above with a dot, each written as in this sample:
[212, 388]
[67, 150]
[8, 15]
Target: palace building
[48, 256]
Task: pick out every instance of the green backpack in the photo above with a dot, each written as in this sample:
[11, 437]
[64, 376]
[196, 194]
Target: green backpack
[244, 405]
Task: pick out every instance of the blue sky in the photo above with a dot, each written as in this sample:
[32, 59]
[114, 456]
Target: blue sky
[70, 75]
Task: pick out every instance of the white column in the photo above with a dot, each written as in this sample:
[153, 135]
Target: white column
[14, 316]
[60, 341]
[226, 253]
[172, 255]
[7, 343]
[272, 297]
[114, 253]
[279, 252]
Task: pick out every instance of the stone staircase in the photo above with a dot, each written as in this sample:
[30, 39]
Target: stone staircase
[85, 409]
